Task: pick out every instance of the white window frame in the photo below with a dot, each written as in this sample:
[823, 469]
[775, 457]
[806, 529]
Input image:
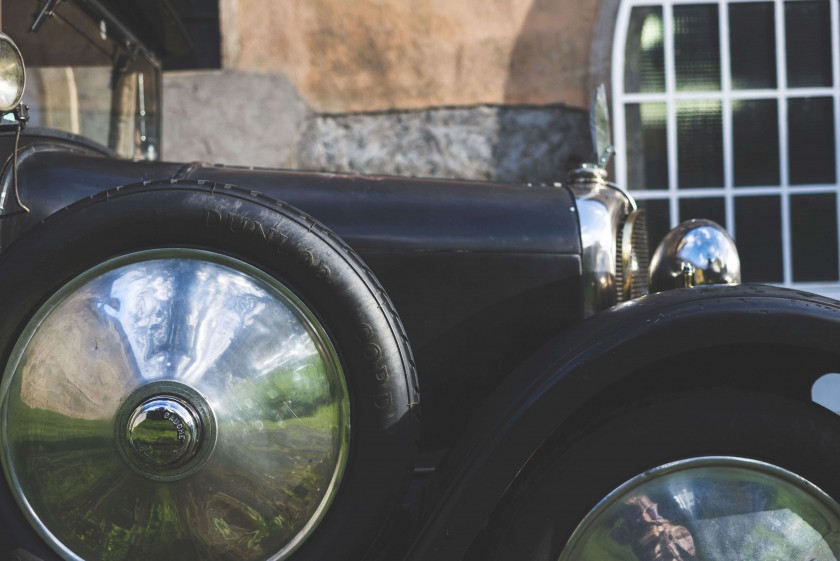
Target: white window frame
[725, 95]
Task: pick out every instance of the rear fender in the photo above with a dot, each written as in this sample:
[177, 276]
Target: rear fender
[698, 337]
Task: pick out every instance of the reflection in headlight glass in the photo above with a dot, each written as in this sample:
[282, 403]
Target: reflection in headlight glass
[11, 76]
[715, 509]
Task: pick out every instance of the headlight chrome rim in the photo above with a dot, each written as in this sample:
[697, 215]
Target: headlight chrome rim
[580, 536]
[14, 65]
[694, 253]
[177, 392]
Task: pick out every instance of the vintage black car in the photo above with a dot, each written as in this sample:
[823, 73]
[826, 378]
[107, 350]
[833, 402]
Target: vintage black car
[202, 362]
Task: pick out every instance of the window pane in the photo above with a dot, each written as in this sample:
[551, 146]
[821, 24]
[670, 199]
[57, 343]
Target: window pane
[699, 144]
[711, 209]
[644, 52]
[811, 140]
[697, 47]
[808, 43]
[755, 139]
[647, 152]
[752, 43]
[813, 225]
[658, 220]
[758, 232]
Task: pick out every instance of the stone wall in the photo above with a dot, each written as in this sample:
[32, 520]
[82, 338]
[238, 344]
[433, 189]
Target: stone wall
[502, 143]
[207, 118]
[231, 117]
[474, 89]
[373, 55]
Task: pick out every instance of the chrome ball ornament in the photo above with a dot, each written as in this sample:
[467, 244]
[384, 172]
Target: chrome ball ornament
[174, 404]
[695, 253]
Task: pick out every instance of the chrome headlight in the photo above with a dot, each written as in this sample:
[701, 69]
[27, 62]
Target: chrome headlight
[694, 253]
[174, 400]
[12, 75]
[728, 508]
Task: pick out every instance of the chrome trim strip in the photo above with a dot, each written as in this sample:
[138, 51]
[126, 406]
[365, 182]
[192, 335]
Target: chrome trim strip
[600, 207]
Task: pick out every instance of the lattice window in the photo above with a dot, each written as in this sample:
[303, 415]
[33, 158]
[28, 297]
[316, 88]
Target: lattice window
[729, 110]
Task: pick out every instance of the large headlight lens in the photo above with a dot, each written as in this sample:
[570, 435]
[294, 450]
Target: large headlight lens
[710, 508]
[12, 74]
[174, 404]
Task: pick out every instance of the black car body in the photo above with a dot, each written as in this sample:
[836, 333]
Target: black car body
[523, 375]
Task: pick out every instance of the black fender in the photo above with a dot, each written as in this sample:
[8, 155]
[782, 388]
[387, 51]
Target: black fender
[717, 336]
[482, 274]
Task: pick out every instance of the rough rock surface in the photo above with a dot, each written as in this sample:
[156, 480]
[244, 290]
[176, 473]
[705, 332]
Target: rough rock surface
[249, 119]
[520, 144]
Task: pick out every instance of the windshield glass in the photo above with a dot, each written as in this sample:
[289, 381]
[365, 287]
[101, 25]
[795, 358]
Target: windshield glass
[81, 78]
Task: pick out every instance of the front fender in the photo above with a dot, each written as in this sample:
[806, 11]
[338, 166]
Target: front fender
[617, 349]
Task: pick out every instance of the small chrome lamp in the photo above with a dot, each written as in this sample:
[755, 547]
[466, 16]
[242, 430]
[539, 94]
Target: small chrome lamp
[694, 253]
[12, 75]
[12, 84]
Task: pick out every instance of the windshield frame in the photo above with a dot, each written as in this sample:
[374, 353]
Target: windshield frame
[134, 70]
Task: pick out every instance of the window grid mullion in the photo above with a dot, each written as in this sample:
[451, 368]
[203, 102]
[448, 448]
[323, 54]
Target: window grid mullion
[678, 2]
[670, 97]
[726, 109]
[781, 77]
[619, 95]
[835, 81]
[671, 110]
[700, 192]
[736, 94]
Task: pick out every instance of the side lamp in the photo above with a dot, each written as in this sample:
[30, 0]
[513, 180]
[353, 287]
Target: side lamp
[12, 85]
[695, 253]
[12, 75]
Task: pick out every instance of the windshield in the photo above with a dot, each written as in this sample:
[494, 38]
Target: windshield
[82, 78]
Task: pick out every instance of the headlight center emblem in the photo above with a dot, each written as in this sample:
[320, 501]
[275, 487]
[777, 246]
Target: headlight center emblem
[165, 430]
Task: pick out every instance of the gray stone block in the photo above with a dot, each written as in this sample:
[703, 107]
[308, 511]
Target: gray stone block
[522, 144]
[261, 120]
[231, 117]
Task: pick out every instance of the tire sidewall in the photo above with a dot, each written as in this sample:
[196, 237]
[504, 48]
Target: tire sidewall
[300, 253]
[567, 479]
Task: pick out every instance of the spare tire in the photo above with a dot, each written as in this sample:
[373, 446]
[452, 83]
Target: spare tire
[193, 371]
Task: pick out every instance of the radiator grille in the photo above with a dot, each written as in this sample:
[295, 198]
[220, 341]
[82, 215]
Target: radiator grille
[632, 257]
